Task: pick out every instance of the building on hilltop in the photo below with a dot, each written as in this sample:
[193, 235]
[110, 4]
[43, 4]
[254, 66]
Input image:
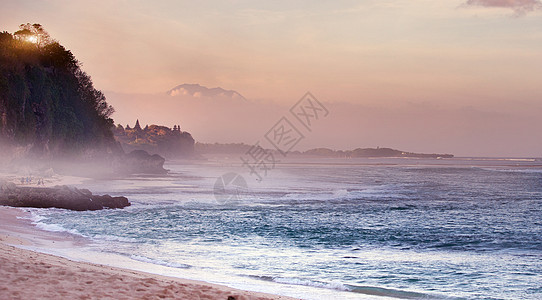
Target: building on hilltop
[137, 126]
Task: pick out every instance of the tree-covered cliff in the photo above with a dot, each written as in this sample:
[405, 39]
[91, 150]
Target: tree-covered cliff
[48, 104]
[155, 139]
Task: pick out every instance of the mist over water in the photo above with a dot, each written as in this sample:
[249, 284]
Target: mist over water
[403, 228]
[448, 127]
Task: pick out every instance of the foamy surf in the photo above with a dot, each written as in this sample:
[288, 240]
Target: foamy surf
[321, 232]
[160, 262]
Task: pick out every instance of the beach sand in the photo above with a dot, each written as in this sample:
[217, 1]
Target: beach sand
[28, 274]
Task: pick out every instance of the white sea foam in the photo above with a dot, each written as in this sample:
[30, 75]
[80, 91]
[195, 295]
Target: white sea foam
[297, 281]
[159, 262]
[33, 217]
[106, 237]
[518, 170]
[56, 228]
[340, 193]
[303, 251]
[36, 219]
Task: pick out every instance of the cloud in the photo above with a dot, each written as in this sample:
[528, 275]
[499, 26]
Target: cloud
[521, 7]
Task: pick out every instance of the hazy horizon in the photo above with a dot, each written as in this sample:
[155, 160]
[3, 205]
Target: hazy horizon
[471, 131]
[456, 77]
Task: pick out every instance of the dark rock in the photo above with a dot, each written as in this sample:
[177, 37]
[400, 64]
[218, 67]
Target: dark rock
[59, 197]
[140, 161]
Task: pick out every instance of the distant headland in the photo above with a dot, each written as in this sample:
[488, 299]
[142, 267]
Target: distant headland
[238, 148]
[372, 152]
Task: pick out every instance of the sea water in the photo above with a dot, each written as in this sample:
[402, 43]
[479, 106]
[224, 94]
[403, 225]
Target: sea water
[331, 228]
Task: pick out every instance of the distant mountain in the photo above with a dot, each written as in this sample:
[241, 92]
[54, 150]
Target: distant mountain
[198, 91]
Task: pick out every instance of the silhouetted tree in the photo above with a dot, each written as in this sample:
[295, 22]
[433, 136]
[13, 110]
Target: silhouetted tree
[56, 56]
[35, 31]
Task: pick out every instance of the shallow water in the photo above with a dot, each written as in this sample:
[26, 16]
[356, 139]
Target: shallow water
[402, 228]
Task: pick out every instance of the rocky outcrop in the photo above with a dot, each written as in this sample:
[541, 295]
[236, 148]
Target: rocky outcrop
[167, 142]
[140, 161]
[59, 197]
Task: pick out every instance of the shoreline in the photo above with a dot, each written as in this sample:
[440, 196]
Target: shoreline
[52, 276]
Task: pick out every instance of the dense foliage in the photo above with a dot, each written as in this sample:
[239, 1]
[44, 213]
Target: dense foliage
[46, 101]
[162, 140]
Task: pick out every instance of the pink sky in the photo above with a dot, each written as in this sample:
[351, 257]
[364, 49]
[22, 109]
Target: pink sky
[439, 76]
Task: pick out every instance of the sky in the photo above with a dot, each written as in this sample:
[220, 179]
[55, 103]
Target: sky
[459, 76]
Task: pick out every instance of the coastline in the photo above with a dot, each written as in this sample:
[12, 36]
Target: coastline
[63, 233]
[51, 276]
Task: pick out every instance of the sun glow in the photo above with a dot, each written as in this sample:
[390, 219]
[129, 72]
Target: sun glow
[32, 39]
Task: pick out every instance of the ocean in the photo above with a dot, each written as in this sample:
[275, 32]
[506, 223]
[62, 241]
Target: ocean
[461, 228]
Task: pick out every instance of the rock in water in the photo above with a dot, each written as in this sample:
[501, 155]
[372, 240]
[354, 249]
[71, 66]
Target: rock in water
[140, 161]
[58, 197]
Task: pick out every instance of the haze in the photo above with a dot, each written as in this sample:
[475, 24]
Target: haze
[456, 76]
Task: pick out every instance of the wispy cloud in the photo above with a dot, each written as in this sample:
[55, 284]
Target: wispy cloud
[520, 7]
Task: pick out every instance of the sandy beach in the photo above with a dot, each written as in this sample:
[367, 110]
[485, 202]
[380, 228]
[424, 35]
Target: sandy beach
[31, 275]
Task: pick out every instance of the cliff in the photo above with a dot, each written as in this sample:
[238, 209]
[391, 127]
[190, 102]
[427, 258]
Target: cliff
[48, 104]
[52, 116]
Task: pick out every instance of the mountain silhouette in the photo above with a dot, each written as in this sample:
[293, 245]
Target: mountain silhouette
[199, 91]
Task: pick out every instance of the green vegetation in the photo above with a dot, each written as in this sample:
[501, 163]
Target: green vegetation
[48, 104]
[162, 140]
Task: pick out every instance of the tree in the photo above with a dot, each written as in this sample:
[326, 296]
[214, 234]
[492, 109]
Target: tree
[56, 56]
[33, 33]
[46, 100]
[24, 34]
